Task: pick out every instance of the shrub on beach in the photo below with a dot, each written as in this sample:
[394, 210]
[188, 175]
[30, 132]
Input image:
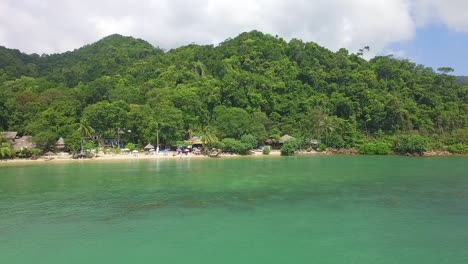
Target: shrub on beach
[130, 146]
[249, 140]
[235, 146]
[410, 144]
[375, 148]
[289, 148]
[5, 151]
[266, 150]
[28, 153]
[321, 147]
[458, 149]
[216, 144]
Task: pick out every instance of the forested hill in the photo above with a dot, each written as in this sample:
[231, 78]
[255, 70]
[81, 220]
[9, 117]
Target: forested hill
[255, 84]
[462, 80]
[86, 64]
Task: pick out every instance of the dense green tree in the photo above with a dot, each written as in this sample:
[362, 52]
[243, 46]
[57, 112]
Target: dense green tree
[105, 117]
[6, 151]
[45, 140]
[231, 121]
[254, 84]
[249, 140]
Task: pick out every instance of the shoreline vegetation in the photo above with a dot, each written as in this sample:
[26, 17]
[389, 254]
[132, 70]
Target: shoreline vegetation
[250, 91]
[67, 158]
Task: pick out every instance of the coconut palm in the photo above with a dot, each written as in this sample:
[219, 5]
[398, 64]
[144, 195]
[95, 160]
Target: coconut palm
[85, 131]
[208, 135]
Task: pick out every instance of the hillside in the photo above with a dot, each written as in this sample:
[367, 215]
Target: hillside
[462, 80]
[254, 84]
[104, 57]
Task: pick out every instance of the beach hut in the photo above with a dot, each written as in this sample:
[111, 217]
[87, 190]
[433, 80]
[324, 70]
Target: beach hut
[285, 139]
[60, 144]
[9, 135]
[149, 147]
[25, 142]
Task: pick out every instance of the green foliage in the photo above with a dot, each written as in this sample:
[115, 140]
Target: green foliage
[216, 144]
[235, 146]
[375, 148]
[33, 153]
[266, 150]
[89, 146]
[254, 84]
[181, 144]
[231, 121]
[458, 149]
[321, 147]
[461, 80]
[410, 144]
[104, 116]
[73, 141]
[249, 140]
[458, 136]
[289, 148]
[45, 140]
[335, 141]
[130, 146]
[6, 152]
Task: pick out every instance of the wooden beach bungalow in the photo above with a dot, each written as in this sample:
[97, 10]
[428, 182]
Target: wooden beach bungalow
[60, 144]
[25, 142]
[9, 136]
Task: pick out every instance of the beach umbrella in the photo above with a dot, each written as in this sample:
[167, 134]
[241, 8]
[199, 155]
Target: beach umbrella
[149, 146]
[135, 151]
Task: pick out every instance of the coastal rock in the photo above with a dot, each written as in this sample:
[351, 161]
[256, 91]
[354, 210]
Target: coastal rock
[343, 151]
[436, 153]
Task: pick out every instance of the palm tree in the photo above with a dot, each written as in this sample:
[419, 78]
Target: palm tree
[85, 130]
[329, 126]
[208, 135]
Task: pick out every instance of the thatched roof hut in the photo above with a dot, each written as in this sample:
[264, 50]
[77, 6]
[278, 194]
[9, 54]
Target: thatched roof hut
[60, 144]
[149, 146]
[9, 135]
[285, 139]
[25, 142]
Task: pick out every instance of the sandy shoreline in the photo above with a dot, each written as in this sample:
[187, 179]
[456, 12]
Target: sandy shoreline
[119, 158]
[57, 159]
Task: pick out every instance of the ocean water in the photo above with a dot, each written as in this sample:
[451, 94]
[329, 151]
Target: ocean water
[320, 209]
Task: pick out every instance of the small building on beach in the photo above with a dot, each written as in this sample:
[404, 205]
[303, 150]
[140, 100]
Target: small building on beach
[60, 144]
[24, 142]
[9, 135]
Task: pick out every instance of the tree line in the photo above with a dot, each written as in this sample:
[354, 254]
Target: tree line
[254, 85]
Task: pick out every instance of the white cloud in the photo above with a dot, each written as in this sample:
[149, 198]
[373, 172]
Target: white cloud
[452, 13]
[60, 25]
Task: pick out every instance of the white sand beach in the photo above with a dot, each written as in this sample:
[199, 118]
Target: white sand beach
[65, 158]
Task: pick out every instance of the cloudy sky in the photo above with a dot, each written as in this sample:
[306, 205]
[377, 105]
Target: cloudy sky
[432, 32]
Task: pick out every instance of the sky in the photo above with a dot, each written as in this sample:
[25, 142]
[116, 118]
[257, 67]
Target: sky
[429, 32]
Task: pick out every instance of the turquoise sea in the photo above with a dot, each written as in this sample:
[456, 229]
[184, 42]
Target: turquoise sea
[320, 209]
